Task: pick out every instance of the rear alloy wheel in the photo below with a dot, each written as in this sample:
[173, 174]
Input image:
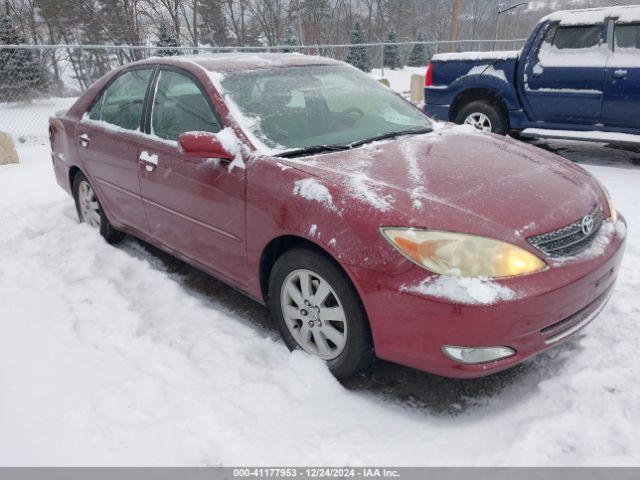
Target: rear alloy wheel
[90, 211]
[484, 116]
[317, 310]
[479, 121]
[88, 204]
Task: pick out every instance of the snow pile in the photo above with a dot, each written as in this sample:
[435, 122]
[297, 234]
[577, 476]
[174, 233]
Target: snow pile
[473, 291]
[475, 56]
[313, 190]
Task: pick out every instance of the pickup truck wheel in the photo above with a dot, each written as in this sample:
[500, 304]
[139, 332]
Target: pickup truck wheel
[485, 116]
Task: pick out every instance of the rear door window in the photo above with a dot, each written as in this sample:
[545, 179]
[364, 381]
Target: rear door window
[577, 37]
[122, 102]
[180, 106]
[627, 37]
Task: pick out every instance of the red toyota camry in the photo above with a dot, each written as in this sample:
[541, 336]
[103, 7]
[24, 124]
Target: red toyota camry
[368, 229]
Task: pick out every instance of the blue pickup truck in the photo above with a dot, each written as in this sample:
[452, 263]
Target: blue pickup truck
[577, 77]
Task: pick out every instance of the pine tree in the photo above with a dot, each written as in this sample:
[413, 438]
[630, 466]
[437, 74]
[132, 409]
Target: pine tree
[213, 23]
[166, 38]
[22, 77]
[358, 56]
[290, 40]
[418, 55]
[391, 52]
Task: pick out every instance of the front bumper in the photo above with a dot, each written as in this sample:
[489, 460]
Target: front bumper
[410, 328]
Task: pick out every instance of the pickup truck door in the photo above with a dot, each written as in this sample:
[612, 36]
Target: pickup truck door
[564, 78]
[622, 80]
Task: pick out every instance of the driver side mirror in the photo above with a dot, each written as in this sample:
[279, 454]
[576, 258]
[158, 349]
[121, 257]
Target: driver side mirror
[203, 145]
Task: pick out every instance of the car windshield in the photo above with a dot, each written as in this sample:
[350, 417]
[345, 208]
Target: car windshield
[302, 107]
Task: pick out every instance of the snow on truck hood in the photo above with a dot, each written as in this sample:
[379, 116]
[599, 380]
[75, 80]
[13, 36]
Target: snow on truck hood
[458, 180]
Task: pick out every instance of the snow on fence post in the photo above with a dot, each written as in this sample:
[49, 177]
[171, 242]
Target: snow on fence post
[8, 152]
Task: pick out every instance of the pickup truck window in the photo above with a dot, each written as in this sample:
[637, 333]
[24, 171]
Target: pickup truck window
[627, 37]
[577, 37]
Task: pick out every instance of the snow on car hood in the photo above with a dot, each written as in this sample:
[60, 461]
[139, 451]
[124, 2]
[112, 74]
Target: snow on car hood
[458, 180]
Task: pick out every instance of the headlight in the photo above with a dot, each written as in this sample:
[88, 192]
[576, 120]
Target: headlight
[462, 255]
[612, 209]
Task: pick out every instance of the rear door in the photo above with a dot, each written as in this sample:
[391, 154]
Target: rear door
[108, 140]
[622, 87]
[195, 207]
[564, 79]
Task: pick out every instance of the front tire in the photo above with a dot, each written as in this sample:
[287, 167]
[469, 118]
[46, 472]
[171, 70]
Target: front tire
[317, 309]
[90, 211]
[484, 116]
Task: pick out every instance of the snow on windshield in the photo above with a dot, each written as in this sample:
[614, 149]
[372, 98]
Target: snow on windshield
[300, 107]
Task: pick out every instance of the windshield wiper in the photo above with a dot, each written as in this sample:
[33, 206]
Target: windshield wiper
[300, 152]
[335, 148]
[384, 136]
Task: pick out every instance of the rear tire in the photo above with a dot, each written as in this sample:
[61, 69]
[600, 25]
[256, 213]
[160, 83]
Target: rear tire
[334, 328]
[90, 211]
[484, 115]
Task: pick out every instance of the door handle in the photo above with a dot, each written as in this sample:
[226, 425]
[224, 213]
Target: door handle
[620, 74]
[150, 160]
[84, 140]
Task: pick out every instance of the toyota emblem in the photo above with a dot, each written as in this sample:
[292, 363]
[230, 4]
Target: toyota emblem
[587, 225]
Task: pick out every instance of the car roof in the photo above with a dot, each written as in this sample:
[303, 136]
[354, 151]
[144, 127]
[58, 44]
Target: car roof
[235, 61]
[592, 16]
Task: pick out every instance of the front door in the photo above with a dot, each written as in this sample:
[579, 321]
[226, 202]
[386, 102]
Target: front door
[194, 206]
[108, 142]
[622, 87]
[564, 80]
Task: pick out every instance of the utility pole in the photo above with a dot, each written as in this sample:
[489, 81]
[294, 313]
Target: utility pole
[455, 13]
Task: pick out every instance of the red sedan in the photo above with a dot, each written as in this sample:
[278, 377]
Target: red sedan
[368, 229]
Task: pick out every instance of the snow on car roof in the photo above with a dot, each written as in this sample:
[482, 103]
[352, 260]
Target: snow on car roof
[233, 61]
[591, 16]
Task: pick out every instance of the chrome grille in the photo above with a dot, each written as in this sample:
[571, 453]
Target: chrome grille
[569, 240]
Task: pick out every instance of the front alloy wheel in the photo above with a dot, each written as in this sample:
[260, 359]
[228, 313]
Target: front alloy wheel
[317, 309]
[313, 314]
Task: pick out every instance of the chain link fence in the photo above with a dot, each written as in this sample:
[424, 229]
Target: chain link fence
[37, 80]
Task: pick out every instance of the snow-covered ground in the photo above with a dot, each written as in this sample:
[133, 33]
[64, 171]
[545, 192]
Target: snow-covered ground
[29, 123]
[399, 80]
[123, 355]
